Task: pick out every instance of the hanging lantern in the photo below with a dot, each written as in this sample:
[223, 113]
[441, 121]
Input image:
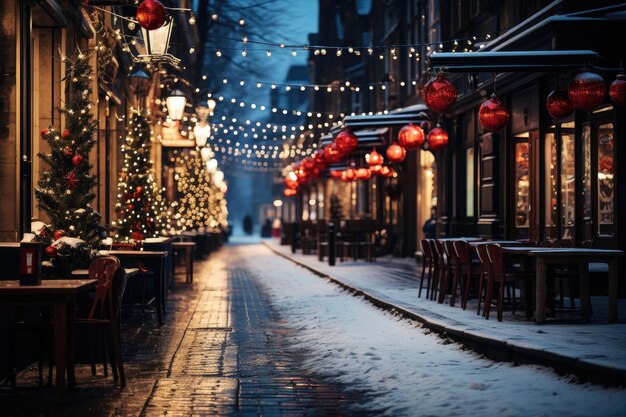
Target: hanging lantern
[363, 173]
[288, 192]
[202, 134]
[332, 153]
[374, 158]
[558, 104]
[437, 139]
[396, 153]
[586, 91]
[319, 157]
[439, 94]
[205, 154]
[308, 163]
[151, 14]
[346, 141]
[617, 90]
[493, 114]
[350, 174]
[411, 136]
[336, 174]
[176, 104]
[387, 172]
[376, 169]
[301, 175]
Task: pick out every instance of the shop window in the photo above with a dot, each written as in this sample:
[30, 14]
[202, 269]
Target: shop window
[605, 179]
[551, 187]
[586, 191]
[568, 186]
[469, 182]
[522, 188]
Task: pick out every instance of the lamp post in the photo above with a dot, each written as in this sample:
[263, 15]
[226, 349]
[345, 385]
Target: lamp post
[157, 42]
[176, 102]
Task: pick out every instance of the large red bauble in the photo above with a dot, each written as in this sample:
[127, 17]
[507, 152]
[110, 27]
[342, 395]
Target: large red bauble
[58, 234]
[396, 153]
[411, 136]
[319, 157]
[44, 133]
[333, 153]
[617, 90]
[558, 104]
[301, 175]
[374, 158]
[68, 151]
[151, 14]
[288, 192]
[493, 114]
[439, 94]
[77, 160]
[291, 183]
[336, 174]
[350, 174]
[346, 141]
[136, 236]
[437, 139]
[308, 163]
[66, 134]
[586, 91]
[386, 171]
[376, 169]
[51, 251]
[363, 173]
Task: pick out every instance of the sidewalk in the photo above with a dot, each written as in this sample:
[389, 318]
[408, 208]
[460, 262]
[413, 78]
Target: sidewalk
[592, 351]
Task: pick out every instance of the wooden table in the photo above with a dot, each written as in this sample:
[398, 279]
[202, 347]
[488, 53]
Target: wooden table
[467, 239]
[503, 243]
[159, 275]
[189, 248]
[579, 256]
[61, 295]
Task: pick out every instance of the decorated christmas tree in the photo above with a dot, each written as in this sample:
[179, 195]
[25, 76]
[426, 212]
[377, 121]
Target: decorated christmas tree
[202, 203]
[141, 208]
[65, 191]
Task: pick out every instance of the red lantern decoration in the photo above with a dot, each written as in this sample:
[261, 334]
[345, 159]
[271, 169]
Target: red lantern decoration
[493, 114]
[346, 141]
[396, 153]
[586, 91]
[558, 104]
[617, 90]
[349, 174]
[439, 94]
[77, 160]
[376, 169]
[136, 236]
[308, 163]
[319, 157]
[288, 192]
[363, 173]
[58, 234]
[336, 174]
[44, 133]
[291, 183]
[51, 251]
[411, 136]
[301, 175]
[374, 158]
[437, 139]
[66, 134]
[387, 172]
[151, 14]
[332, 153]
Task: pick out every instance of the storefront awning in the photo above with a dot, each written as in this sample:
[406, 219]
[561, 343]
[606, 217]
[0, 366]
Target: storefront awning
[398, 117]
[367, 137]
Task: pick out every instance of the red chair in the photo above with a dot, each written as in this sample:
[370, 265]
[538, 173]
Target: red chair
[452, 271]
[440, 267]
[502, 277]
[486, 273]
[427, 262]
[466, 270]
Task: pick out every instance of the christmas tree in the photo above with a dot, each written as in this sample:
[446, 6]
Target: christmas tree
[142, 210]
[65, 191]
[203, 202]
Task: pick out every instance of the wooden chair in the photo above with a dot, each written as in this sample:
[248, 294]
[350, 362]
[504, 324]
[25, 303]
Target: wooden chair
[501, 277]
[466, 270]
[367, 239]
[486, 272]
[571, 274]
[427, 262]
[451, 270]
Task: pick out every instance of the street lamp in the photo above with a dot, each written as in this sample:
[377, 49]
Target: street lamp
[202, 134]
[176, 104]
[157, 42]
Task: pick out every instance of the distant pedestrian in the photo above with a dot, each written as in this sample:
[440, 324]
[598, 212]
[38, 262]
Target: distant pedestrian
[430, 226]
[247, 224]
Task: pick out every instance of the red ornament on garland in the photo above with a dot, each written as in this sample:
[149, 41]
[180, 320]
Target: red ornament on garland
[136, 236]
[66, 134]
[336, 174]
[44, 133]
[387, 172]
[439, 94]
[346, 141]
[151, 14]
[396, 153]
[349, 174]
[376, 169]
[411, 136]
[51, 251]
[493, 114]
[437, 139]
[59, 234]
[558, 104]
[374, 158]
[308, 163]
[363, 173]
[77, 160]
[139, 189]
[586, 91]
[617, 90]
[288, 192]
[333, 153]
[130, 207]
[70, 180]
[319, 157]
[68, 151]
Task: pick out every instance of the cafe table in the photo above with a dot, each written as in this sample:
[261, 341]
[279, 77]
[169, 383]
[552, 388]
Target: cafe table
[157, 258]
[61, 296]
[467, 239]
[187, 248]
[578, 256]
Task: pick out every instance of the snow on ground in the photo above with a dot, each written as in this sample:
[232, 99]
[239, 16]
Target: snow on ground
[407, 371]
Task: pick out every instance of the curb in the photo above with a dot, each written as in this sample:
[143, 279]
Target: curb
[494, 349]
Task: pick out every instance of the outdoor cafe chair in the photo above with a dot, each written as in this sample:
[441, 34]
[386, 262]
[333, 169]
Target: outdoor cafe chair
[440, 267]
[451, 271]
[466, 270]
[427, 263]
[485, 274]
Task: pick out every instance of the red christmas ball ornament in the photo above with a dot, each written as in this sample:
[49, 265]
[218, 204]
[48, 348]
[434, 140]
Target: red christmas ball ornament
[350, 174]
[301, 175]
[387, 172]
[139, 189]
[558, 104]
[59, 234]
[43, 233]
[51, 251]
[68, 151]
[319, 157]
[291, 183]
[376, 169]
[363, 173]
[439, 94]
[346, 141]
[77, 160]
[136, 236]
[411, 136]
[151, 14]
[130, 207]
[617, 90]
[336, 174]
[66, 134]
[308, 163]
[493, 114]
[586, 91]
[44, 133]
[332, 153]
[374, 158]
[396, 153]
[437, 139]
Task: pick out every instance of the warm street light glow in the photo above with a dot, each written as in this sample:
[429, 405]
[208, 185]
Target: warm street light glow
[278, 203]
[211, 166]
[202, 134]
[157, 41]
[205, 154]
[176, 104]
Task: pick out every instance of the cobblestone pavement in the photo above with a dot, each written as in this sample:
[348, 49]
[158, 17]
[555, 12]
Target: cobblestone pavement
[220, 352]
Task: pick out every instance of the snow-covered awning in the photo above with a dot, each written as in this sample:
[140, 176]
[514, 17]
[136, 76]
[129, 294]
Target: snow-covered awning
[398, 117]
